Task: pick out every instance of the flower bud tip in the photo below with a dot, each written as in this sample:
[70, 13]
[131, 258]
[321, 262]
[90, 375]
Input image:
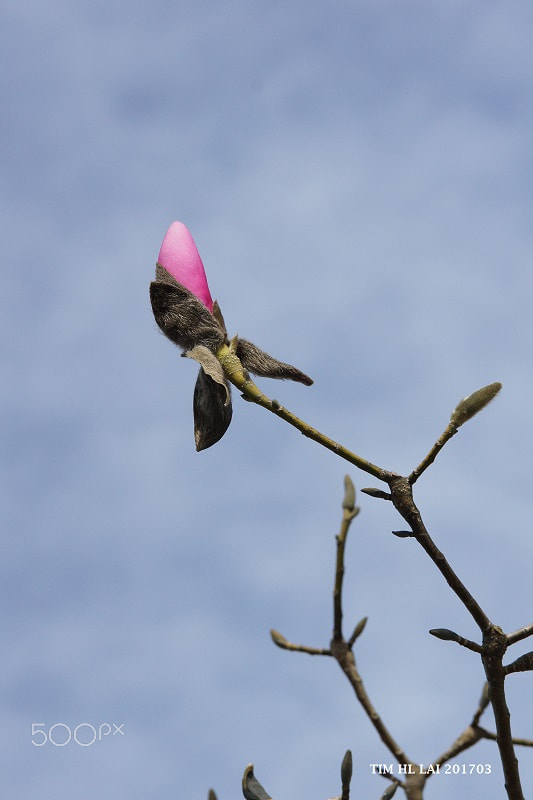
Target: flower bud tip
[181, 259]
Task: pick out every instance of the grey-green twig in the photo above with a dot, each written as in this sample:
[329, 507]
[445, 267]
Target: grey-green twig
[236, 374]
[284, 644]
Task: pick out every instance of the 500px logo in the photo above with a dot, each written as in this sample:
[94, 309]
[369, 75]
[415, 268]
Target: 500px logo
[83, 734]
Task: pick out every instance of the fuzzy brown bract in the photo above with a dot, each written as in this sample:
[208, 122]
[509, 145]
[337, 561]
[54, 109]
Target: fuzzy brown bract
[184, 319]
[187, 322]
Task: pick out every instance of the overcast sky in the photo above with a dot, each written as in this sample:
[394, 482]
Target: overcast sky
[358, 179]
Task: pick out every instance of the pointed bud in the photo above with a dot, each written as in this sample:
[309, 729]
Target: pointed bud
[358, 630]
[445, 634]
[379, 493]
[278, 638]
[346, 768]
[348, 502]
[181, 259]
[469, 406]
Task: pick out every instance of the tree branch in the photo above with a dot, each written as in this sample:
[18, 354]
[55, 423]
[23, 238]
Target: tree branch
[521, 664]
[402, 498]
[494, 647]
[238, 377]
[284, 644]
[465, 410]
[495, 641]
[522, 633]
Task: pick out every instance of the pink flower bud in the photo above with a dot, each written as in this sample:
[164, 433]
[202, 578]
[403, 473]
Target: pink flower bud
[181, 259]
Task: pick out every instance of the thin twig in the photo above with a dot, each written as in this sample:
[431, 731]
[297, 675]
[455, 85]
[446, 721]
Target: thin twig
[516, 739]
[341, 650]
[235, 373]
[445, 437]
[284, 644]
[402, 498]
[470, 735]
[464, 741]
[345, 658]
[521, 664]
[450, 636]
[495, 641]
[349, 512]
[484, 701]
[521, 633]
[357, 631]
[467, 408]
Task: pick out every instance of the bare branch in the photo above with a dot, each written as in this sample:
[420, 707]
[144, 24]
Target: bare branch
[522, 664]
[494, 640]
[358, 630]
[470, 735]
[484, 701]
[402, 497]
[284, 644]
[494, 647]
[464, 741]
[446, 635]
[465, 410]
[345, 658]
[516, 739]
[236, 374]
[522, 633]
[443, 439]
[342, 650]
[349, 512]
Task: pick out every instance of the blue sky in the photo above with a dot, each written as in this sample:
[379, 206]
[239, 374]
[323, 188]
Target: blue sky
[357, 177]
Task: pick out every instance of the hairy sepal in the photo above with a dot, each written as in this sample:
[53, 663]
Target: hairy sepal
[181, 316]
[260, 363]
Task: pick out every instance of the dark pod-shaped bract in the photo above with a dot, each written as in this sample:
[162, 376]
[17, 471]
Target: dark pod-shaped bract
[186, 314]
